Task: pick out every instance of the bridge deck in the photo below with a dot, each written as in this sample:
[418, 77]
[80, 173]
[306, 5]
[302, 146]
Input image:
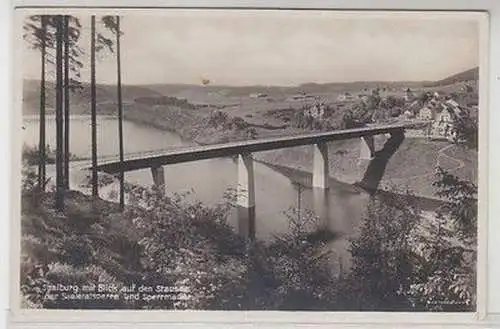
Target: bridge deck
[244, 147]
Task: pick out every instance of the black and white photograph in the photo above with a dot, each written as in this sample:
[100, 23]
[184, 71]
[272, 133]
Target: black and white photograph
[249, 160]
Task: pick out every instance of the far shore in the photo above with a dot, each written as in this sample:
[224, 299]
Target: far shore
[293, 163]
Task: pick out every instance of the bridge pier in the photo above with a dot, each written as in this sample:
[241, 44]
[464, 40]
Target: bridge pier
[320, 166]
[321, 205]
[158, 174]
[245, 196]
[376, 167]
[367, 148]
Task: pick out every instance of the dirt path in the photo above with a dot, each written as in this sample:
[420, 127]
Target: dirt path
[441, 154]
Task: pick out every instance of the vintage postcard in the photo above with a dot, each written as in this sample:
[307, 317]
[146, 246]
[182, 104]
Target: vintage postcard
[249, 160]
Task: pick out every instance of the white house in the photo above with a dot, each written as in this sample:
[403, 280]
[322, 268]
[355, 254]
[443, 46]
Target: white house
[345, 97]
[258, 95]
[426, 113]
[322, 110]
[452, 103]
[443, 124]
[408, 114]
[408, 95]
[314, 110]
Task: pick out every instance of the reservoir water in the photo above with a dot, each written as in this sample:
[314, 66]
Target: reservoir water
[210, 179]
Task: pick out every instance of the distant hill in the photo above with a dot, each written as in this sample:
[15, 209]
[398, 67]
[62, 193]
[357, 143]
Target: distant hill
[169, 89]
[217, 93]
[472, 74]
[80, 99]
[359, 85]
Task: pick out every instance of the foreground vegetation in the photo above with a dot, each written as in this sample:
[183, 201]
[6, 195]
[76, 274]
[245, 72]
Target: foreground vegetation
[401, 259]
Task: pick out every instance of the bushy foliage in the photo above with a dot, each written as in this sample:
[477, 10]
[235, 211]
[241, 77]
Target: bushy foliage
[315, 116]
[447, 249]
[385, 108]
[188, 245]
[423, 97]
[444, 276]
[468, 98]
[31, 155]
[402, 259]
[461, 196]
[71, 248]
[382, 262]
[295, 270]
[166, 100]
[103, 179]
[394, 102]
[222, 121]
[465, 129]
[29, 180]
[223, 270]
[358, 116]
[168, 241]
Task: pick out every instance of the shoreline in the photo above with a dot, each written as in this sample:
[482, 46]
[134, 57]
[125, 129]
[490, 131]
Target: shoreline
[191, 126]
[294, 163]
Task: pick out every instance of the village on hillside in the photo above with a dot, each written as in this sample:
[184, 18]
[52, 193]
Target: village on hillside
[440, 107]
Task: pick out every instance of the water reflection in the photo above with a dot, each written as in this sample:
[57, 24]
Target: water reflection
[340, 207]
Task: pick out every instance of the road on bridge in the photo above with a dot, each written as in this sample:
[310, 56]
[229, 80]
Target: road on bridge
[195, 153]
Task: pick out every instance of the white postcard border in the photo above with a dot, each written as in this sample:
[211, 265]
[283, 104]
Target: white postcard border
[488, 78]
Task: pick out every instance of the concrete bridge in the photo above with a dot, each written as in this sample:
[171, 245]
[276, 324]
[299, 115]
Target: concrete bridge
[244, 149]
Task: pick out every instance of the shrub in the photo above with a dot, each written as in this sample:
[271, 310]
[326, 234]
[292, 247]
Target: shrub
[381, 255]
[394, 102]
[294, 271]
[188, 245]
[465, 129]
[401, 260]
[395, 112]
[31, 155]
[217, 119]
[447, 249]
[239, 123]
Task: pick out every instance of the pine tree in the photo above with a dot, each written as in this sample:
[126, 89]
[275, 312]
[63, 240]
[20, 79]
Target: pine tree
[93, 114]
[41, 144]
[59, 204]
[42, 32]
[66, 101]
[120, 110]
[112, 23]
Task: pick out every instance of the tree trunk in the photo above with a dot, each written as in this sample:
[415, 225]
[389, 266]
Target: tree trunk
[41, 144]
[120, 111]
[59, 204]
[66, 102]
[95, 191]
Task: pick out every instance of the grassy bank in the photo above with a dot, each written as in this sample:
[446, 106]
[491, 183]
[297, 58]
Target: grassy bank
[411, 167]
[93, 242]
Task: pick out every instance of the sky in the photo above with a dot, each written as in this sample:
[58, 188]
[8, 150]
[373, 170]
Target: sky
[249, 47]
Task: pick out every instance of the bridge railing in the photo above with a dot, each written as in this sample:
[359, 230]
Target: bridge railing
[244, 150]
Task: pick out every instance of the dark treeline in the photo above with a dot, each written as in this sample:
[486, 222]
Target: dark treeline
[58, 38]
